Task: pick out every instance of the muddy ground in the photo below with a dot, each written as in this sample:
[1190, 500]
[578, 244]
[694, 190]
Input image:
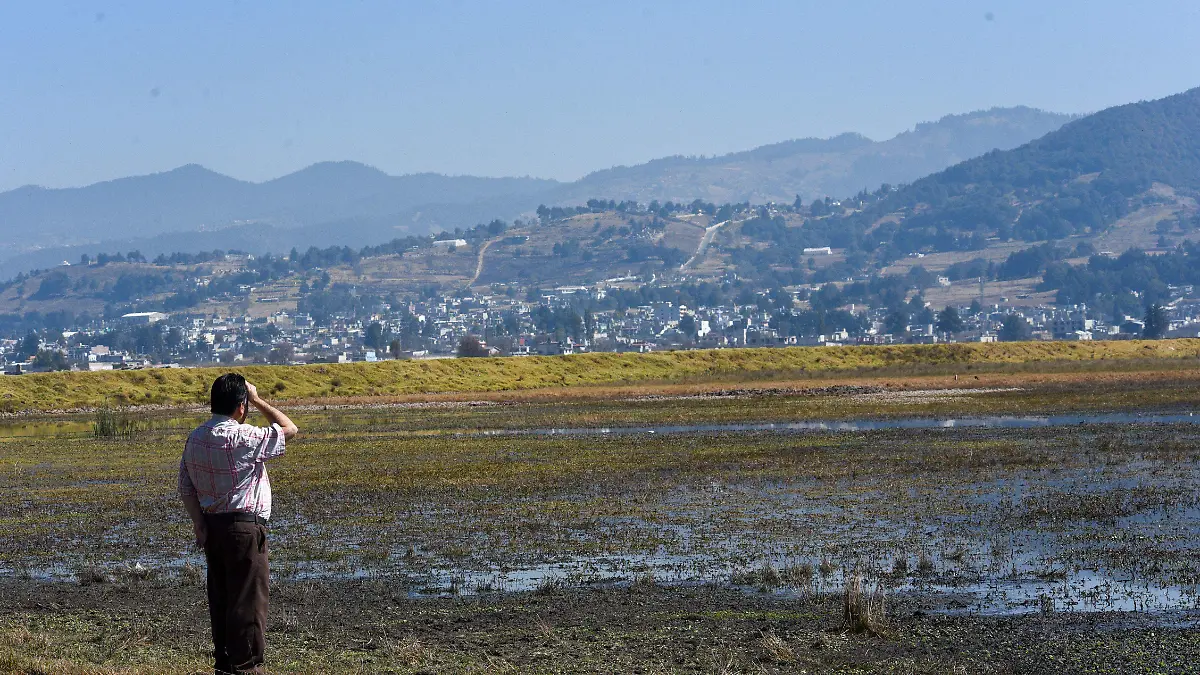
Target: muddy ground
[406, 541]
[371, 626]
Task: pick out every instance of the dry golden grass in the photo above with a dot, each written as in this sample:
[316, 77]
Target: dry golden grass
[368, 382]
[863, 609]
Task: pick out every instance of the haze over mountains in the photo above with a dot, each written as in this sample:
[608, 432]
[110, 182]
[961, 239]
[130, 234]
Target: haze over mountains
[347, 203]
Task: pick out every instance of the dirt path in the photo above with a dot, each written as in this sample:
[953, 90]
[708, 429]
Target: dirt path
[709, 233]
[479, 262]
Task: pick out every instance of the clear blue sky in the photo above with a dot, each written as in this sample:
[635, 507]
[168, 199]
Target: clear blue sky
[255, 89]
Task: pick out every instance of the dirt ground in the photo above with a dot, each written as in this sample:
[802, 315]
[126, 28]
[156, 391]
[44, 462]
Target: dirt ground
[373, 627]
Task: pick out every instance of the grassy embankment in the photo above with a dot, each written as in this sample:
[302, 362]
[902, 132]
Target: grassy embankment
[61, 391]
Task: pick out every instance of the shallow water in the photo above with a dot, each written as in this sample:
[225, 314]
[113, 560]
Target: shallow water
[78, 428]
[996, 422]
[1112, 532]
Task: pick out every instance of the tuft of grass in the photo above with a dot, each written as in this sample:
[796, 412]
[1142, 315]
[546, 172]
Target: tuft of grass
[549, 586]
[826, 568]
[138, 572]
[192, 574]
[776, 648]
[925, 565]
[93, 574]
[644, 580]
[410, 651]
[765, 576]
[799, 574]
[863, 609]
[110, 423]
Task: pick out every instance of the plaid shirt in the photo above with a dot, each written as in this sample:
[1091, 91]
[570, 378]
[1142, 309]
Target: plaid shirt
[222, 465]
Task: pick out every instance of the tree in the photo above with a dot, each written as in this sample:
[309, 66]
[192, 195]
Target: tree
[470, 346]
[687, 326]
[30, 346]
[1156, 322]
[282, 353]
[923, 317]
[975, 307]
[921, 277]
[376, 336]
[54, 285]
[798, 203]
[1014, 329]
[395, 348]
[896, 323]
[51, 359]
[948, 321]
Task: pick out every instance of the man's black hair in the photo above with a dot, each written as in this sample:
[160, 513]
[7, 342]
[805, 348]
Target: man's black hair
[228, 392]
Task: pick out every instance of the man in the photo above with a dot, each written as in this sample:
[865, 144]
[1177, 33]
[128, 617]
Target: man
[224, 487]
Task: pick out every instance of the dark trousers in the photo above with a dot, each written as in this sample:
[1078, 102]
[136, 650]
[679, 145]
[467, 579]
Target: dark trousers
[237, 593]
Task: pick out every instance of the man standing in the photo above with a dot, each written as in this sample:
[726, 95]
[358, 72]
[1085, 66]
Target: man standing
[224, 487]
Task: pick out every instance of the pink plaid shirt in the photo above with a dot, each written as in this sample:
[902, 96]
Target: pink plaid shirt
[223, 465]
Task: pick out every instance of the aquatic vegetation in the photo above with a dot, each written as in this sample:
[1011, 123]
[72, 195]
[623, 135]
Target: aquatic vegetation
[111, 423]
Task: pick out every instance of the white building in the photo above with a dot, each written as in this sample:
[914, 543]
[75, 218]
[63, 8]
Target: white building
[143, 317]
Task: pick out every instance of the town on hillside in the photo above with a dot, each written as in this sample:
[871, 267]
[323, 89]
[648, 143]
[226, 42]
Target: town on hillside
[337, 305]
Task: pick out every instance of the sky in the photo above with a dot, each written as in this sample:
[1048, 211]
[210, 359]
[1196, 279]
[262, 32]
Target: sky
[255, 89]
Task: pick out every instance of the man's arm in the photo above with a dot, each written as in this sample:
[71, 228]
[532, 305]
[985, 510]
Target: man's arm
[192, 505]
[273, 415]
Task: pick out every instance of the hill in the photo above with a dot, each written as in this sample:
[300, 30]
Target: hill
[816, 168]
[1132, 165]
[192, 198]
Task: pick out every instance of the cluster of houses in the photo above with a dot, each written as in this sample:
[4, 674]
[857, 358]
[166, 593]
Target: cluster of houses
[500, 325]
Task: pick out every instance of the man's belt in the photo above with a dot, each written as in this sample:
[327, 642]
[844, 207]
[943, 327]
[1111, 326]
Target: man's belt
[237, 517]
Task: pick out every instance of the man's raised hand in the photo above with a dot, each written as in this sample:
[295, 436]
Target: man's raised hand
[251, 392]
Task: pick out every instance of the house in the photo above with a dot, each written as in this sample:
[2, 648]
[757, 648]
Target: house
[1132, 326]
[143, 318]
[1064, 325]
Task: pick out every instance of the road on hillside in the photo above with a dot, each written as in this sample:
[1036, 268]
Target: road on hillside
[479, 262]
[709, 233]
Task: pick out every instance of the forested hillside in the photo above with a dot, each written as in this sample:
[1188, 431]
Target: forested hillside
[1079, 179]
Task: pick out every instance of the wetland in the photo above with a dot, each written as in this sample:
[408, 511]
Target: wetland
[1005, 524]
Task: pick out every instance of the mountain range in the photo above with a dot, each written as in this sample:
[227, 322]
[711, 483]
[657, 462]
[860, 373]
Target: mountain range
[347, 203]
